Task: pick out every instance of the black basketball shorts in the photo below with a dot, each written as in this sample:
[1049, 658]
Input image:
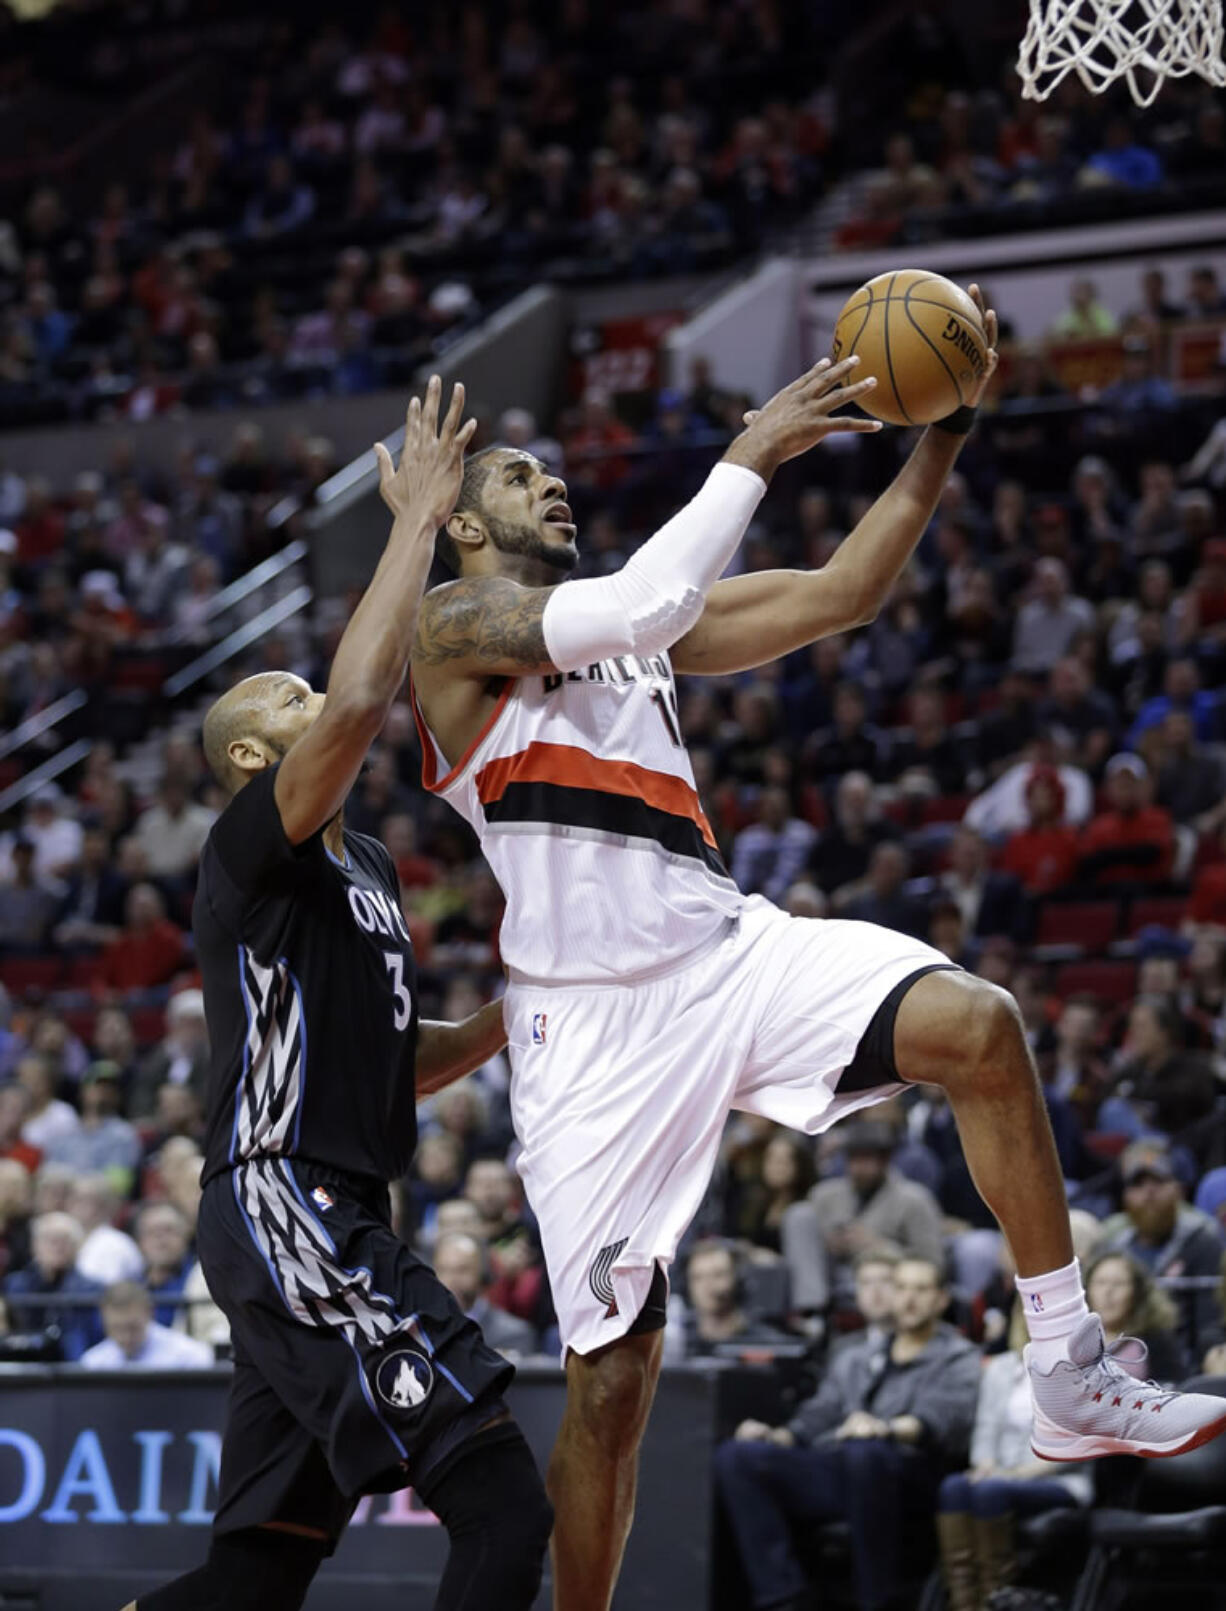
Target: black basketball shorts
[355, 1370]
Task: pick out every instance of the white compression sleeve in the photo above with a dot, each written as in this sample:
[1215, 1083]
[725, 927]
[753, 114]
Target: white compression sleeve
[659, 593]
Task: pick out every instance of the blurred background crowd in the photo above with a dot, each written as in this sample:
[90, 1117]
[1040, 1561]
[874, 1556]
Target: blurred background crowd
[290, 204]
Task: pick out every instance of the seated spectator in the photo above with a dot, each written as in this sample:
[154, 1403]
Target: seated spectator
[1048, 624]
[1076, 1067]
[134, 1339]
[103, 1143]
[870, 1448]
[1123, 1294]
[56, 1240]
[759, 1208]
[172, 832]
[181, 1058]
[54, 832]
[1043, 856]
[929, 748]
[870, 1206]
[1123, 160]
[1169, 1238]
[281, 204]
[883, 898]
[977, 1509]
[164, 1239]
[841, 855]
[149, 950]
[989, 901]
[47, 1118]
[15, 1200]
[90, 911]
[13, 1110]
[1181, 689]
[1190, 782]
[715, 1313]
[852, 744]
[459, 1264]
[1133, 840]
[29, 901]
[107, 1254]
[873, 1303]
[1139, 389]
[1086, 318]
[1082, 718]
[1163, 1085]
[772, 850]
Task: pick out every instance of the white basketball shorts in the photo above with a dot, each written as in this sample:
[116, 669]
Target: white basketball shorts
[620, 1093]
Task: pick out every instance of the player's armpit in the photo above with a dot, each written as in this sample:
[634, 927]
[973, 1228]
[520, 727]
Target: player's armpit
[751, 620]
[484, 625]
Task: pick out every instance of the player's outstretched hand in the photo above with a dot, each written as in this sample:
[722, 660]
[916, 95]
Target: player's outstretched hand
[990, 330]
[427, 480]
[799, 416]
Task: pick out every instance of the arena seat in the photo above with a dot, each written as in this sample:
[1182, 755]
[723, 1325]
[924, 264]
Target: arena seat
[1090, 925]
[1159, 911]
[19, 974]
[1112, 981]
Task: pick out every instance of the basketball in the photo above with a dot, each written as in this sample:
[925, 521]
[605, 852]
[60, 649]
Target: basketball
[921, 336]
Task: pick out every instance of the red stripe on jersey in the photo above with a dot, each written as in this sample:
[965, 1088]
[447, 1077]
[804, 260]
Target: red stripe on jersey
[575, 768]
[429, 766]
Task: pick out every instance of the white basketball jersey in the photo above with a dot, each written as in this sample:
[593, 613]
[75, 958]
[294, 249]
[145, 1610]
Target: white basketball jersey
[581, 792]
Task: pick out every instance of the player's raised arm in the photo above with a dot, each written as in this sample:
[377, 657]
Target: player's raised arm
[372, 657]
[487, 624]
[749, 620]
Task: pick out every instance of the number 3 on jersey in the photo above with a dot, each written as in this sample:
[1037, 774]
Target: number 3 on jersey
[404, 1001]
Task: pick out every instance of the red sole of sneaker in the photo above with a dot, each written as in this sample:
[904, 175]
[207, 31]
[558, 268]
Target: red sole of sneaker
[1205, 1435]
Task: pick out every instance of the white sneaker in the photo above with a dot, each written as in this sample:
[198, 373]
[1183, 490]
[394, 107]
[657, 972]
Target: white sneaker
[1092, 1404]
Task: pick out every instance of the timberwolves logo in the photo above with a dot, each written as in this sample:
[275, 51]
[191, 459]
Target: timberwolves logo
[600, 1278]
[405, 1380]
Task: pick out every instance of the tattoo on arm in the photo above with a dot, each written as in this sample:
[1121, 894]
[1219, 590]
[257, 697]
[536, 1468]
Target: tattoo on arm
[488, 621]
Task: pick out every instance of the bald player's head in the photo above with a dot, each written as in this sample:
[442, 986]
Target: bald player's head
[256, 724]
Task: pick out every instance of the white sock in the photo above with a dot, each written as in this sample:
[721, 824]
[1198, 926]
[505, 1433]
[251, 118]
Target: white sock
[1054, 1306]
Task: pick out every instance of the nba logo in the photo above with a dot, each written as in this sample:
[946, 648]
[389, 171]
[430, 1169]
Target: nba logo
[1036, 1303]
[321, 1198]
[538, 1028]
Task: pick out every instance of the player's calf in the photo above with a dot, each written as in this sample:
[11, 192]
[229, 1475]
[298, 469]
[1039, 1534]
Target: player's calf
[498, 1519]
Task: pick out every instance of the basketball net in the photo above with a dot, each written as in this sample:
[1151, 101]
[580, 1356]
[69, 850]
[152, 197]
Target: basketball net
[1142, 41]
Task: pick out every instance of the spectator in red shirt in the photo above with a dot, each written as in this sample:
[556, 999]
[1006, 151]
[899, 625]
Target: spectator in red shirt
[1133, 840]
[40, 531]
[591, 449]
[399, 834]
[149, 950]
[1044, 854]
[1208, 903]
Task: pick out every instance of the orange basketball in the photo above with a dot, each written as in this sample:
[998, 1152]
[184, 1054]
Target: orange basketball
[921, 336]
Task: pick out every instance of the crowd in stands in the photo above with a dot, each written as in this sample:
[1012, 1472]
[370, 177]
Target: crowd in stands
[349, 194]
[360, 187]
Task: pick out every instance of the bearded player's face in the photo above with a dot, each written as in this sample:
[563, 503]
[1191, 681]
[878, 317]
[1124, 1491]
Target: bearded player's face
[525, 513]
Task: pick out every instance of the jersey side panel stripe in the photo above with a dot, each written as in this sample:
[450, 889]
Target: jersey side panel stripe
[617, 816]
[568, 766]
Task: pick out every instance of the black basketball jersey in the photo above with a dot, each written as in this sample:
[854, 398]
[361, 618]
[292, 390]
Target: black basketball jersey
[311, 996]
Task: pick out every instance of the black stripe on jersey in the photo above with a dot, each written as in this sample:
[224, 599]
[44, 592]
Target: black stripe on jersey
[623, 814]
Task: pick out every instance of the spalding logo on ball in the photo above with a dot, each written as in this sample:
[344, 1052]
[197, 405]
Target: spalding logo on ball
[405, 1379]
[923, 339]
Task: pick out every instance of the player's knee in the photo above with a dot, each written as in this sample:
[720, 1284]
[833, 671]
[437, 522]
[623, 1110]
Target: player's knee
[980, 1037]
[614, 1399]
[523, 1531]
